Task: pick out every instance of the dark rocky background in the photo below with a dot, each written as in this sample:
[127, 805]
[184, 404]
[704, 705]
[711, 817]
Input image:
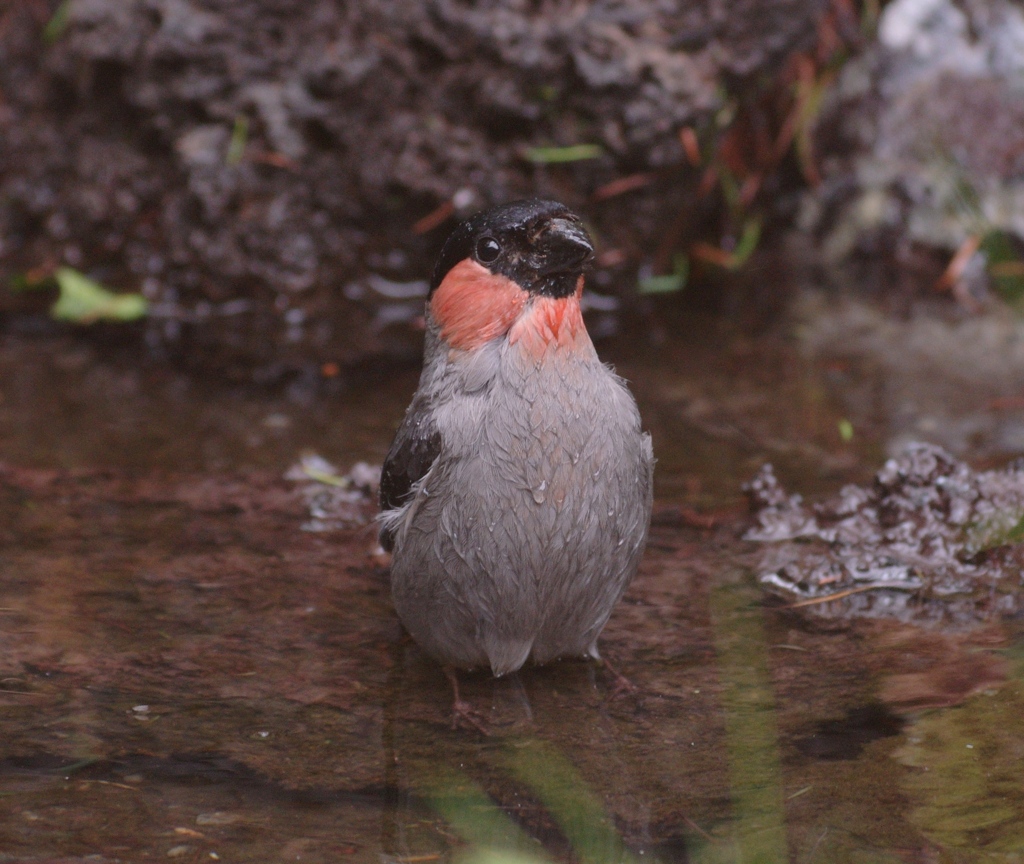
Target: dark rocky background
[351, 121]
[277, 176]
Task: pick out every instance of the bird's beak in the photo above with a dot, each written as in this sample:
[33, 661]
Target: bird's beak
[567, 246]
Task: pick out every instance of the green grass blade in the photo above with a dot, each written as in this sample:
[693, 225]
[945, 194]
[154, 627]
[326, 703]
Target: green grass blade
[556, 155]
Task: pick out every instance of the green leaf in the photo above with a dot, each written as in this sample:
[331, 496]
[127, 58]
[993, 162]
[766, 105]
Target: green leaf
[325, 478]
[1016, 533]
[730, 187]
[20, 282]
[83, 301]
[748, 243]
[58, 23]
[553, 155]
[1002, 528]
[1005, 266]
[662, 284]
[727, 113]
[846, 430]
[239, 138]
[670, 282]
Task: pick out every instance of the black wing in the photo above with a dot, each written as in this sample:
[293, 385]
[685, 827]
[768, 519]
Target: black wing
[417, 444]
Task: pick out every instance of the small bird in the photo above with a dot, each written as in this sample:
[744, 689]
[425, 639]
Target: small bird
[516, 496]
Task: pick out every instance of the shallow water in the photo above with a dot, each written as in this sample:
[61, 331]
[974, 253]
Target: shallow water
[186, 673]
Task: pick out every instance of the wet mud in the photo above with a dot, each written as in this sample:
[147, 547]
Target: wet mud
[930, 541]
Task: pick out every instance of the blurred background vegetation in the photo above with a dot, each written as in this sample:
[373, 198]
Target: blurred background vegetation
[272, 179]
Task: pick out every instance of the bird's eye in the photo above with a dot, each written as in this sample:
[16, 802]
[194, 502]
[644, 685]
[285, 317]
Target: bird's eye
[487, 250]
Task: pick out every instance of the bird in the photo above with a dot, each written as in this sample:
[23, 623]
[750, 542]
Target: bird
[516, 495]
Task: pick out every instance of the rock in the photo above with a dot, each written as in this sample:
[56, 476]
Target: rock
[932, 541]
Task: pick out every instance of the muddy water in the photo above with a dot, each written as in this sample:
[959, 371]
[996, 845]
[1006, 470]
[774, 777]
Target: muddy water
[186, 673]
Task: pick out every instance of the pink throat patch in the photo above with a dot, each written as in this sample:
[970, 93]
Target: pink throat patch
[474, 306]
[551, 323]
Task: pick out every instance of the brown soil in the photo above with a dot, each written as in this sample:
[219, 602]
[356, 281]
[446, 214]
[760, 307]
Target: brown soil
[357, 119]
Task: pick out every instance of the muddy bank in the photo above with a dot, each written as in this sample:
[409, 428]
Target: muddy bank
[930, 541]
[245, 165]
[276, 177]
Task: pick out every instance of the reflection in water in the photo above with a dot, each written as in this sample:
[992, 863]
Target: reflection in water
[750, 727]
[561, 789]
[548, 795]
[287, 719]
[542, 790]
[273, 654]
[965, 782]
[490, 833]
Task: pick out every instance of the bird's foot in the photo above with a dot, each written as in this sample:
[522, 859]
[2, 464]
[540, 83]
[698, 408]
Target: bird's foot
[464, 715]
[622, 686]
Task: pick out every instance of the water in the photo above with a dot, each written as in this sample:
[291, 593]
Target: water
[186, 674]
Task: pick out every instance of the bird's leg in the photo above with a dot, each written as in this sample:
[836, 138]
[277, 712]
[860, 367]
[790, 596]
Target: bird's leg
[463, 714]
[622, 684]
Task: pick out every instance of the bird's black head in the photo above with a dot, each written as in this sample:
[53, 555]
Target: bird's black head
[540, 245]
